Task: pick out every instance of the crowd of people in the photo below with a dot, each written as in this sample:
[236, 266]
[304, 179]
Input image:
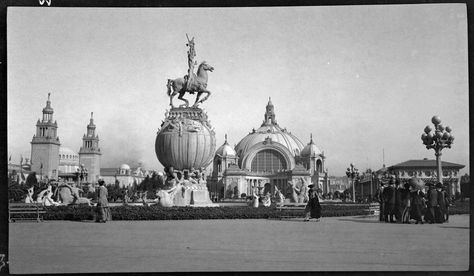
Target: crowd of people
[413, 201]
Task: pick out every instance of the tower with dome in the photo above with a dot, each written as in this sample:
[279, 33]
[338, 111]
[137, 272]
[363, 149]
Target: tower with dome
[268, 157]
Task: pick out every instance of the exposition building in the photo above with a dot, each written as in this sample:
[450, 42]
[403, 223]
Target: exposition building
[267, 157]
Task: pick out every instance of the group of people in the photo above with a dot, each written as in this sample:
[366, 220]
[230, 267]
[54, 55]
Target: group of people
[402, 203]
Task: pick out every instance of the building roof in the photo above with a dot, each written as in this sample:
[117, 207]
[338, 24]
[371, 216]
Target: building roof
[425, 163]
[225, 149]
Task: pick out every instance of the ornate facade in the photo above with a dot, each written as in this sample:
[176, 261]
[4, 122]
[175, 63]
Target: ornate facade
[267, 157]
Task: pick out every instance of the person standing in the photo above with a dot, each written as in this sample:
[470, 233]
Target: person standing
[432, 204]
[417, 205]
[405, 203]
[440, 212]
[398, 201]
[379, 197]
[447, 200]
[103, 210]
[389, 199]
[313, 208]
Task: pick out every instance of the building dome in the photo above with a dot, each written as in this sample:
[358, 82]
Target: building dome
[124, 167]
[276, 134]
[226, 149]
[310, 150]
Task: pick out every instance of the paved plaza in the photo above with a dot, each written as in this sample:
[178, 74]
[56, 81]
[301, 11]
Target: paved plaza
[334, 244]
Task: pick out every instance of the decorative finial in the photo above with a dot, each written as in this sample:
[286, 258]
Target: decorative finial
[49, 94]
[92, 114]
[225, 143]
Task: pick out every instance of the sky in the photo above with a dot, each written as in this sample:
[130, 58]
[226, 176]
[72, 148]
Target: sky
[364, 80]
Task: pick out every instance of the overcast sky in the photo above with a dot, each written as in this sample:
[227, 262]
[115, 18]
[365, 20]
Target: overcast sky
[361, 79]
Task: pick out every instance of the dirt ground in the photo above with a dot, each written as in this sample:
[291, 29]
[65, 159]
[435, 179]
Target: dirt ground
[333, 244]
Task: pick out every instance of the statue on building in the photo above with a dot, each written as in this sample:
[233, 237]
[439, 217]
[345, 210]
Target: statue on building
[192, 82]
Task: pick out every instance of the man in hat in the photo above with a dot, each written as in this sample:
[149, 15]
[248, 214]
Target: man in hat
[432, 203]
[379, 197]
[398, 210]
[389, 201]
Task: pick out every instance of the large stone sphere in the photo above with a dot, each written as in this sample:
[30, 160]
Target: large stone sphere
[184, 144]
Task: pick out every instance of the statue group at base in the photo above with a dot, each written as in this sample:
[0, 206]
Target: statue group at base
[66, 195]
[184, 189]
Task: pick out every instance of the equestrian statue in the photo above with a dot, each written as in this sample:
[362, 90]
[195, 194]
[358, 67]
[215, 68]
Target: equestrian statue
[190, 83]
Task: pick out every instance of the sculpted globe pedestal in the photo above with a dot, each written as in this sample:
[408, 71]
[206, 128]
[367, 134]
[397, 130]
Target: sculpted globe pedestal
[185, 144]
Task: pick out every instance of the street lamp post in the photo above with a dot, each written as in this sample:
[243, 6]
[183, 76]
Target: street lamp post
[352, 173]
[441, 138]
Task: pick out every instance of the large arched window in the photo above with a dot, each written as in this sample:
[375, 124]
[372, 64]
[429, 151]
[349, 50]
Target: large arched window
[268, 160]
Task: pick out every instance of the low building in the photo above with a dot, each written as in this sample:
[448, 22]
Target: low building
[124, 175]
[426, 170]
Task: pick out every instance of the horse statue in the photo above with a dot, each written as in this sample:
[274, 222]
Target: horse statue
[70, 195]
[196, 84]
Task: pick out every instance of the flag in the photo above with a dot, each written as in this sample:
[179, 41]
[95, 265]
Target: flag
[21, 159]
[41, 165]
[10, 159]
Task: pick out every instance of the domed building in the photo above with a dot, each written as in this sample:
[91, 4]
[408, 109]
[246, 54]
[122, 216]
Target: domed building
[266, 158]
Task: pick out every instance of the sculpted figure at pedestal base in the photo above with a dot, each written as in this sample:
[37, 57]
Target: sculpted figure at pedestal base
[70, 195]
[29, 195]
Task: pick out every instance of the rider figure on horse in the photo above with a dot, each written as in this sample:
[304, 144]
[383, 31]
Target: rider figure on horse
[191, 54]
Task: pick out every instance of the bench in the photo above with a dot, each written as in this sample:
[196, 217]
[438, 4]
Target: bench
[25, 211]
[290, 210]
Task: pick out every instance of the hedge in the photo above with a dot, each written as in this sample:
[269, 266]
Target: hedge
[155, 212]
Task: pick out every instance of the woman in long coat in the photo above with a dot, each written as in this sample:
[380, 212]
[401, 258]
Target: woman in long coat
[103, 210]
[313, 208]
[416, 209]
[405, 203]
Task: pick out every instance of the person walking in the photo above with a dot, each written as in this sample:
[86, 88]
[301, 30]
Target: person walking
[313, 207]
[389, 199]
[103, 210]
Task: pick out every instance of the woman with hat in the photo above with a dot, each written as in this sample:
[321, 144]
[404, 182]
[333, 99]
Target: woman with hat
[103, 210]
[389, 201]
[313, 208]
[416, 204]
[405, 203]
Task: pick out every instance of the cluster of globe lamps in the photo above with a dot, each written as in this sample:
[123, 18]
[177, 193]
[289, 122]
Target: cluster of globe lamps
[439, 139]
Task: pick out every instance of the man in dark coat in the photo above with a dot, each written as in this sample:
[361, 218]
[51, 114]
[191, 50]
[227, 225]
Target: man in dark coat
[447, 199]
[398, 210]
[389, 201]
[379, 197]
[440, 212]
[432, 204]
